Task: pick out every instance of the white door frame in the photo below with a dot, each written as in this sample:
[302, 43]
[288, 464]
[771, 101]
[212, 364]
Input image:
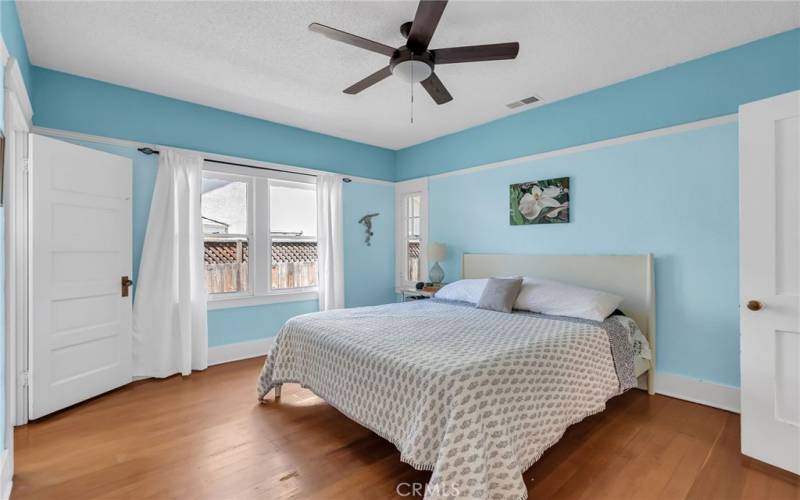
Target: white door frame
[18, 114]
[17, 117]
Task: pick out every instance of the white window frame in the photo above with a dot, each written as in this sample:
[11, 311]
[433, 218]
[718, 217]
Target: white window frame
[259, 238]
[403, 190]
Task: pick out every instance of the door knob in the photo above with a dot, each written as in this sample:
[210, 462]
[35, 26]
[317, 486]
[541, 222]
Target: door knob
[754, 305]
[126, 284]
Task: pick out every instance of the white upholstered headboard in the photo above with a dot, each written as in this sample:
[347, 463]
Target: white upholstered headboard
[630, 276]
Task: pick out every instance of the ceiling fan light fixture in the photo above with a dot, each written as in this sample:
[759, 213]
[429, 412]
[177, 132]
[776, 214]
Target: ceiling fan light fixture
[412, 70]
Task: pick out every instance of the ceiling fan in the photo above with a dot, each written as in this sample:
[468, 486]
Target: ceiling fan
[414, 62]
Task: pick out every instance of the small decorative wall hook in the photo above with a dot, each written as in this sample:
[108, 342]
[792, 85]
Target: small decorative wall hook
[367, 221]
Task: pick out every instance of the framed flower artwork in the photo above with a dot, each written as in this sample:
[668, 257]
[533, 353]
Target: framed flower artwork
[540, 202]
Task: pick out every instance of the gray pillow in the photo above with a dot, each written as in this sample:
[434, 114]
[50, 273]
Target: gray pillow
[500, 294]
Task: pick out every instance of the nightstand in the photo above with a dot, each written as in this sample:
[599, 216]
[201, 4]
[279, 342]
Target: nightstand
[414, 294]
[407, 294]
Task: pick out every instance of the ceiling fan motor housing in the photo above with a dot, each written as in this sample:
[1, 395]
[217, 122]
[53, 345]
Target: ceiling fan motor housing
[411, 67]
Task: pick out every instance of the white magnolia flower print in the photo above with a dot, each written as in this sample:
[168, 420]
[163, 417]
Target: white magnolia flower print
[531, 204]
[554, 213]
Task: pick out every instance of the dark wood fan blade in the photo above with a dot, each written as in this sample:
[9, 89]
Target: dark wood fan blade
[350, 39]
[436, 89]
[473, 53]
[369, 81]
[425, 21]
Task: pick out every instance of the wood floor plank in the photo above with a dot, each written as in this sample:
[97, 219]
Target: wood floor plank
[206, 437]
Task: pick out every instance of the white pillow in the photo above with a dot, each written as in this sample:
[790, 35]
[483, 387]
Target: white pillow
[559, 299]
[463, 290]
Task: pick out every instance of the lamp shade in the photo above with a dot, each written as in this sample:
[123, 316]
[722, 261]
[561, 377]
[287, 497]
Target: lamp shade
[437, 252]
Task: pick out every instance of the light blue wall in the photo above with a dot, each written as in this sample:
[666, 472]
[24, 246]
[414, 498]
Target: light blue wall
[368, 270]
[674, 196]
[70, 102]
[703, 88]
[242, 324]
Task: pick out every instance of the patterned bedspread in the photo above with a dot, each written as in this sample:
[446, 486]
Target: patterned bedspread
[475, 396]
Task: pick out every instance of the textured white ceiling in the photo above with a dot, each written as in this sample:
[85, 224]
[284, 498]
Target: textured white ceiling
[259, 59]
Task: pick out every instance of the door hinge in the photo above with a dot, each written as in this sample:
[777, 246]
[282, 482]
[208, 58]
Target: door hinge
[26, 165]
[24, 379]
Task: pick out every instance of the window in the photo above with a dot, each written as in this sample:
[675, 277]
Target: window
[411, 227]
[260, 235]
[412, 215]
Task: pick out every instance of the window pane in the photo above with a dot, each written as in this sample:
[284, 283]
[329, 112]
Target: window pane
[224, 206]
[293, 208]
[412, 270]
[415, 200]
[294, 264]
[224, 213]
[226, 260]
[293, 231]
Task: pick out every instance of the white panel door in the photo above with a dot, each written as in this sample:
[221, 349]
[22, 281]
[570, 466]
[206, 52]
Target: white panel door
[769, 157]
[80, 329]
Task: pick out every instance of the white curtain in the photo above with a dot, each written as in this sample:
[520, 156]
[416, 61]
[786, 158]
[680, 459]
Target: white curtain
[330, 245]
[170, 331]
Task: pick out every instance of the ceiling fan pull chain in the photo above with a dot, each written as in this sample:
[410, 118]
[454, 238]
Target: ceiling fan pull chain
[412, 95]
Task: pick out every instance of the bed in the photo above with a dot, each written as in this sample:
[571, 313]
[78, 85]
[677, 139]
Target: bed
[475, 396]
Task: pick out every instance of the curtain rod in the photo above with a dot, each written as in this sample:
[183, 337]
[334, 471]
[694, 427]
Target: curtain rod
[151, 151]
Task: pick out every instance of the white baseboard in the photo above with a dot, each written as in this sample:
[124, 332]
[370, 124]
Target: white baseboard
[5, 475]
[241, 350]
[700, 391]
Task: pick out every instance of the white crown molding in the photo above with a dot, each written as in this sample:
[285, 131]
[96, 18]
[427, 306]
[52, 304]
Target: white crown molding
[411, 186]
[685, 127]
[241, 350]
[696, 390]
[79, 136]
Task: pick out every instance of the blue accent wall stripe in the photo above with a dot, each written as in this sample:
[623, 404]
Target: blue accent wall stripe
[79, 104]
[708, 87]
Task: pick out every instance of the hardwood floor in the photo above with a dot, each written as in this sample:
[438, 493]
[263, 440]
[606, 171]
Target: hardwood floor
[205, 437]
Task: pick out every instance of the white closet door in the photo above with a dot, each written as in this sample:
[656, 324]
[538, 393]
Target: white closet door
[769, 155]
[80, 329]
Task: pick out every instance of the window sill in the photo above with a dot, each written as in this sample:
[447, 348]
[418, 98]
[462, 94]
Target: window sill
[258, 300]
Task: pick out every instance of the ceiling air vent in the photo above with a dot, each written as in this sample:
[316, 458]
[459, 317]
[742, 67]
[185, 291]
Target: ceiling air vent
[523, 102]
